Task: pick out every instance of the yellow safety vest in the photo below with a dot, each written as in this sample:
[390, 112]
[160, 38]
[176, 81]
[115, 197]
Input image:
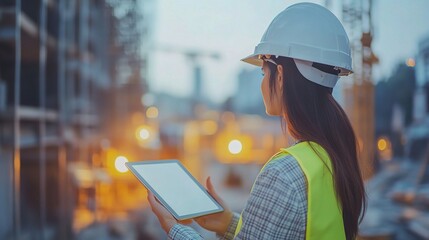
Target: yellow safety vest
[324, 214]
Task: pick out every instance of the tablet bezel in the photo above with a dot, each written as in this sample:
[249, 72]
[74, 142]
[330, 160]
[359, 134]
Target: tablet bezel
[130, 166]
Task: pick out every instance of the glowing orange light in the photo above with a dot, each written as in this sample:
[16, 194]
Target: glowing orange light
[152, 112]
[143, 133]
[120, 164]
[411, 62]
[235, 146]
[382, 144]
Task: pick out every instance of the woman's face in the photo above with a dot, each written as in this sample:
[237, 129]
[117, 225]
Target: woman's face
[273, 106]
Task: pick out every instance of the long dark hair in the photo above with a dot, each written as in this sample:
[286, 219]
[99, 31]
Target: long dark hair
[312, 114]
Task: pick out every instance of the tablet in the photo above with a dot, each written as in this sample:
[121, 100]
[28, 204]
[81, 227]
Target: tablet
[177, 190]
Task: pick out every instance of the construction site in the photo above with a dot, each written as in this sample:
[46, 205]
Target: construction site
[76, 104]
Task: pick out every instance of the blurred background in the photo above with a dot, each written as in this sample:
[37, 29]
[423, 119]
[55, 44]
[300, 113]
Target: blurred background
[87, 85]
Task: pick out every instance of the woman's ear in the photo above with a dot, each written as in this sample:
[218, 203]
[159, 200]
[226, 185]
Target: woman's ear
[279, 79]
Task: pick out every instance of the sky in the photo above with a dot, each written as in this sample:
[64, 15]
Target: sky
[233, 28]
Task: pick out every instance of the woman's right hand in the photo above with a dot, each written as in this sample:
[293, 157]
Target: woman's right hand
[217, 222]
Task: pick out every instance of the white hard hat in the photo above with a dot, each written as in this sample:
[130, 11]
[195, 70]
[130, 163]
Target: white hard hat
[308, 33]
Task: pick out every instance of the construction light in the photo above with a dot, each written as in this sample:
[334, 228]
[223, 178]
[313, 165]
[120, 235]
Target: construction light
[120, 164]
[381, 144]
[143, 133]
[152, 112]
[235, 146]
[411, 62]
[384, 147]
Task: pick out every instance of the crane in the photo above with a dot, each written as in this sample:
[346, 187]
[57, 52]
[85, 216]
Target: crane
[192, 56]
[359, 100]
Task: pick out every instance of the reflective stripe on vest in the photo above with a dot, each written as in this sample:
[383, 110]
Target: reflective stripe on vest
[324, 216]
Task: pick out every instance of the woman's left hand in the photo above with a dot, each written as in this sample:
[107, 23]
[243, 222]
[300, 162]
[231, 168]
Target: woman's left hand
[166, 220]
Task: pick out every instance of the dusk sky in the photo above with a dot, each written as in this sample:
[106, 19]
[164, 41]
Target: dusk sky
[234, 28]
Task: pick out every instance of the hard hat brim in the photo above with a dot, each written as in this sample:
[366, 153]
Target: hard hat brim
[253, 59]
[305, 68]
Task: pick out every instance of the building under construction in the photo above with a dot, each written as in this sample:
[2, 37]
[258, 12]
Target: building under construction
[63, 67]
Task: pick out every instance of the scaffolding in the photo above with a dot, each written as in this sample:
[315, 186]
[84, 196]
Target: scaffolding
[359, 97]
[57, 71]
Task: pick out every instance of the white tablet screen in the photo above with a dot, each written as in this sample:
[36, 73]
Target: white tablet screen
[176, 188]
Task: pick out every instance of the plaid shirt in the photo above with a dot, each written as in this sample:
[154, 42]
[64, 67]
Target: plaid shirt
[276, 208]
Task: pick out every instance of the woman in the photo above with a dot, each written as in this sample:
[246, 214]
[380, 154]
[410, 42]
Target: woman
[313, 189]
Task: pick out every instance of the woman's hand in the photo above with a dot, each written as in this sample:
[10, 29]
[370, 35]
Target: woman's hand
[166, 220]
[217, 222]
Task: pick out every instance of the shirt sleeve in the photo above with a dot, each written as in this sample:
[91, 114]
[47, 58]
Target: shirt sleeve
[274, 210]
[182, 232]
[229, 234]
